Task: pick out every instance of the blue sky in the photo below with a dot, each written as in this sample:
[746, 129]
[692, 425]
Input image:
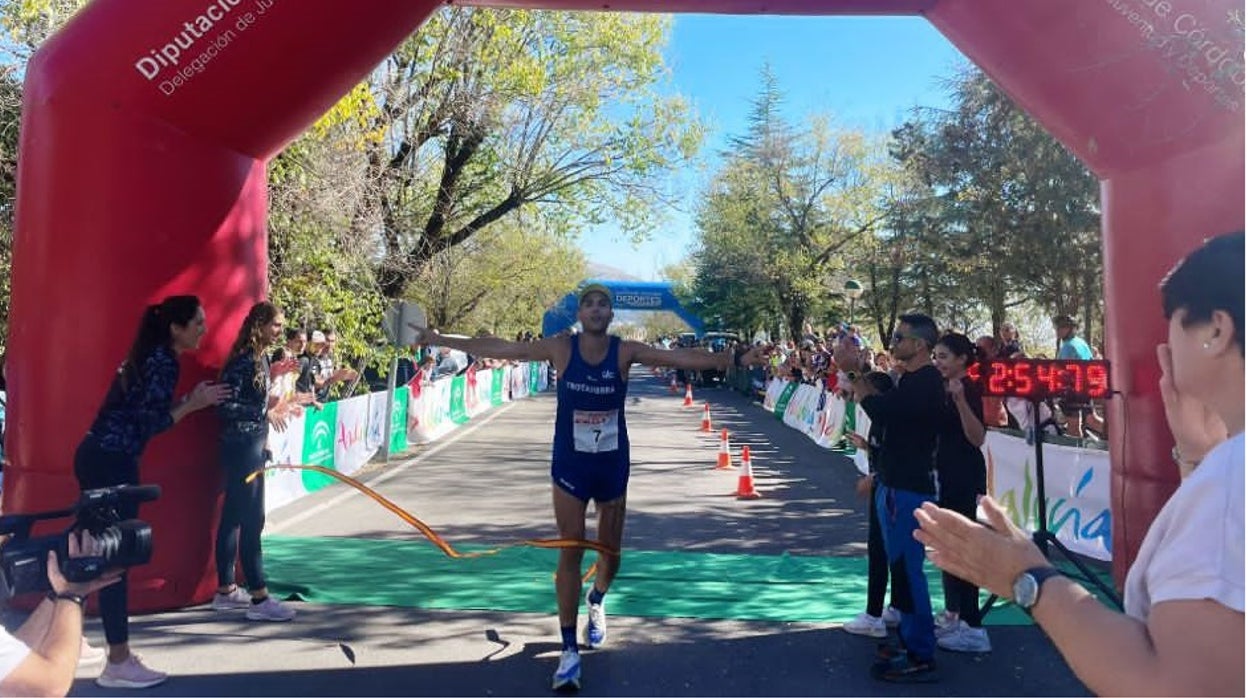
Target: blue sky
[866, 72]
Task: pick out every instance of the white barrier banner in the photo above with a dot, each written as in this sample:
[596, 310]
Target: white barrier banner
[477, 392]
[862, 427]
[375, 436]
[429, 415]
[350, 447]
[800, 412]
[830, 423]
[1076, 482]
[283, 486]
[346, 434]
[774, 389]
[519, 381]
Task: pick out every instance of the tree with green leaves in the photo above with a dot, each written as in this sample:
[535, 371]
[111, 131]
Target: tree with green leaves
[488, 112]
[501, 280]
[10, 118]
[1002, 211]
[777, 220]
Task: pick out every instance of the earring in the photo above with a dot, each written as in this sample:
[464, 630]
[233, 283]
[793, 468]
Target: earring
[1207, 345]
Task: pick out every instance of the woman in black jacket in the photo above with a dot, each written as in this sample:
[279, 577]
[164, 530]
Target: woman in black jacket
[246, 416]
[139, 405]
[963, 477]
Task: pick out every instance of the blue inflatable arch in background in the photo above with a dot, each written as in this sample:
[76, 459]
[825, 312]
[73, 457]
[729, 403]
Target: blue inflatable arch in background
[628, 295]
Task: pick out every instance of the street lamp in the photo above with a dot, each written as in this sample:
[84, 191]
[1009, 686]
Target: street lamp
[853, 289]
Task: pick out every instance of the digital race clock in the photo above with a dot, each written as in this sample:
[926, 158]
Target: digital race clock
[1037, 379]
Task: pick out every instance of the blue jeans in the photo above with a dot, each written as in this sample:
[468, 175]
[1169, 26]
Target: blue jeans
[905, 560]
[242, 515]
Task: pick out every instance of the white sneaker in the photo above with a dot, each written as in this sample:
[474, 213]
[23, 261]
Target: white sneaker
[131, 673]
[596, 626]
[568, 675]
[965, 639]
[236, 600]
[270, 609]
[946, 619]
[950, 629]
[868, 625]
[892, 617]
[90, 656]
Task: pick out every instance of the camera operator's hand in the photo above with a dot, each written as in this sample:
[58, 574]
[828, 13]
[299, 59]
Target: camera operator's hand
[87, 546]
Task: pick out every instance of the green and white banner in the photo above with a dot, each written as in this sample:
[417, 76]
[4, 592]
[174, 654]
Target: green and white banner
[346, 434]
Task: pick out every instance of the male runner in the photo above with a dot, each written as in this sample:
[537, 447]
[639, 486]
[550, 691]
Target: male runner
[590, 455]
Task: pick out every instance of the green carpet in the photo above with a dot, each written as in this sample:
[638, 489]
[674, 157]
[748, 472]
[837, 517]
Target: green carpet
[651, 583]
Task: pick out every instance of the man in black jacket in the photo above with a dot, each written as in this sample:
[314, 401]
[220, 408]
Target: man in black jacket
[907, 470]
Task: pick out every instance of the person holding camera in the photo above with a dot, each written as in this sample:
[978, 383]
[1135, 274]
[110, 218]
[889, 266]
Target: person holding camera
[39, 658]
[246, 416]
[1182, 632]
[139, 405]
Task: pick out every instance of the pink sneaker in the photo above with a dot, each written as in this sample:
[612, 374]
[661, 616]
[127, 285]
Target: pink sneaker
[131, 673]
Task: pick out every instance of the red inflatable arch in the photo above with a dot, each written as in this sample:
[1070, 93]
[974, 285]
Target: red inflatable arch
[147, 127]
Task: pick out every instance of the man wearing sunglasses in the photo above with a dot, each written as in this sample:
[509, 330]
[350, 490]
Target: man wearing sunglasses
[907, 465]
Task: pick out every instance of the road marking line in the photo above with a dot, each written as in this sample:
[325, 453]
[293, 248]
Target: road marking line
[401, 467]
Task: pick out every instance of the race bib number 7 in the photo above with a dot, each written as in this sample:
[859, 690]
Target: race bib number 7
[596, 432]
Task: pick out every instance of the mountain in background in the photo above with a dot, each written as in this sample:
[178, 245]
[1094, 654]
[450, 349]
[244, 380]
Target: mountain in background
[608, 273]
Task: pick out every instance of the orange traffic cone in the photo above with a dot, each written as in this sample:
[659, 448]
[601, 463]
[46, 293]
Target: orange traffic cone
[671, 387]
[688, 396]
[706, 417]
[745, 483]
[725, 456]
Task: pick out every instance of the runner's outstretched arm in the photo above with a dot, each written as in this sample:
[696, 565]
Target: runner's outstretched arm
[490, 347]
[691, 359]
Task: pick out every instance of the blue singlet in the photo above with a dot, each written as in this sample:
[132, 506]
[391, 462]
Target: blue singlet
[590, 459]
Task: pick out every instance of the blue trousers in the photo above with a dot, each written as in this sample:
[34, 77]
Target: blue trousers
[895, 509]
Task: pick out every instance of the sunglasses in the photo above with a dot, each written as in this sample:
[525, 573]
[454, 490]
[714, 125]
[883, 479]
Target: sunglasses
[899, 336]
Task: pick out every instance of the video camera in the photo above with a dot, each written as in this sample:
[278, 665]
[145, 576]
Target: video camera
[123, 543]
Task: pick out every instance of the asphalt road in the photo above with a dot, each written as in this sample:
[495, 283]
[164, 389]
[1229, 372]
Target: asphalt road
[488, 483]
